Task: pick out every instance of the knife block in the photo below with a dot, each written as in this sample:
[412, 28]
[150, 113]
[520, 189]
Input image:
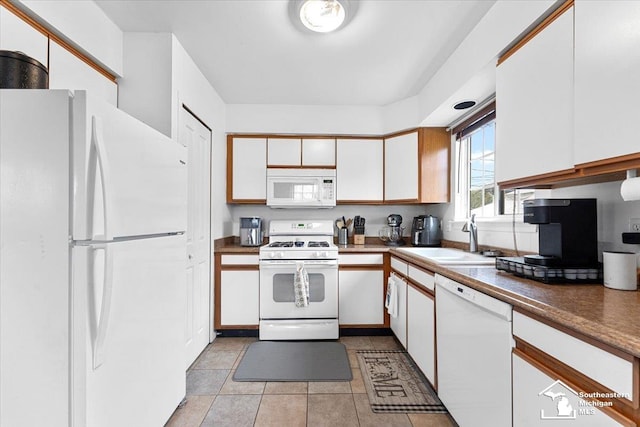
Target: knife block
[358, 239]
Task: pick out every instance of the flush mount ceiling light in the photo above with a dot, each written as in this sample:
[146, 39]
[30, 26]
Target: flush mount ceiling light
[321, 16]
[464, 105]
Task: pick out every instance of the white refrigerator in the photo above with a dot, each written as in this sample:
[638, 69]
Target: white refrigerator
[92, 264]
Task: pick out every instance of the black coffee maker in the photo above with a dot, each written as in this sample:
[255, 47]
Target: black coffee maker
[567, 232]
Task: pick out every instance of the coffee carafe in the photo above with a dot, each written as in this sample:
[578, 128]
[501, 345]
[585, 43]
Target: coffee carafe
[391, 234]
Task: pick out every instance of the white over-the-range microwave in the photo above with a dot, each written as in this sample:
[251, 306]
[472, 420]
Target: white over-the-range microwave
[301, 188]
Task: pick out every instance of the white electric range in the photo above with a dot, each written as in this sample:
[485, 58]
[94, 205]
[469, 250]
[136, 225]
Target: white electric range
[292, 243]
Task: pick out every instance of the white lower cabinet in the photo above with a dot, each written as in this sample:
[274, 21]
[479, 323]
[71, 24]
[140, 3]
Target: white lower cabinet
[421, 331]
[541, 400]
[361, 297]
[239, 297]
[399, 322]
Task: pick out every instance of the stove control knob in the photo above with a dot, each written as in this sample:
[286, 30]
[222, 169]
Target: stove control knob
[280, 255]
[321, 254]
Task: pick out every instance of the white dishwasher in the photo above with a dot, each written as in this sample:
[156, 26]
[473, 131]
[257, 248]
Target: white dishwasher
[473, 342]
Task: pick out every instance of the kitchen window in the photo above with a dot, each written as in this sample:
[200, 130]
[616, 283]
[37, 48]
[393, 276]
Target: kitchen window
[476, 191]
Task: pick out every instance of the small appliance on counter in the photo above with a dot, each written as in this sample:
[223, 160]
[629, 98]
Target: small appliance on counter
[391, 234]
[426, 230]
[251, 231]
[567, 242]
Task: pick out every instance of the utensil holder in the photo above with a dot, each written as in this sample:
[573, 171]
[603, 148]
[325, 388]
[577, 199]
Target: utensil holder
[343, 236]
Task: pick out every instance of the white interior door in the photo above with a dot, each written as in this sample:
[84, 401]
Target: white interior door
[197, 138]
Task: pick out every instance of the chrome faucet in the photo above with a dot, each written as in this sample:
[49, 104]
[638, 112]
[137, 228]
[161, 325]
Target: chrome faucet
[471, 228]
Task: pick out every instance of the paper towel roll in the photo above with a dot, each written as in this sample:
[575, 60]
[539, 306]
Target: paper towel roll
[630, 189]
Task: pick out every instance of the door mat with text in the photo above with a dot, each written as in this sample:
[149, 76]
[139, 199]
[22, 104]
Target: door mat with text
[394, 385]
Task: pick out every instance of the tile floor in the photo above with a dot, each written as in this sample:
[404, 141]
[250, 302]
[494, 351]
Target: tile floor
[214, 399]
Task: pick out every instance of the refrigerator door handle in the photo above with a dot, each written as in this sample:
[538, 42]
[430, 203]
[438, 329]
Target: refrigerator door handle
[97, 137]
[100, 320]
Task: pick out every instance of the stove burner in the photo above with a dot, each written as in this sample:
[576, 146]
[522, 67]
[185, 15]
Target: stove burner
[299, 243]
[281, 245]
[318, 244]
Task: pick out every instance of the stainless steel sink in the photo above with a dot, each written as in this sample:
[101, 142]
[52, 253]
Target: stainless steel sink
[449, 256]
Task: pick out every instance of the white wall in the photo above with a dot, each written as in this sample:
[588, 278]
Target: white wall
[159, 77]
[312, 119]
[145, 90]
[503, 24]
[376, 216]
[613, 213]
[86, 25]
[193, 90]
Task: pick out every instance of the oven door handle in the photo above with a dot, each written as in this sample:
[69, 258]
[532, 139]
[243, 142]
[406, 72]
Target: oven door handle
[308, 264]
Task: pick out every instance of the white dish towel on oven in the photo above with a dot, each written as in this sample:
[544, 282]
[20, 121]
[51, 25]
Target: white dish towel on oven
[391, 302]
[301, 285]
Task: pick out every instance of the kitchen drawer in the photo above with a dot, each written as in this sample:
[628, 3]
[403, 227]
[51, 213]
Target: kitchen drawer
[360, 259]
[240, 259]
[422, 277]
[399, 266]
[608, 369]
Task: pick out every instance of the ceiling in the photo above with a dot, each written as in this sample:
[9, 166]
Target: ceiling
[251, 52]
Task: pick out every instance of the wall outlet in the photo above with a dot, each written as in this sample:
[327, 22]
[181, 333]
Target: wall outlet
[634, 225]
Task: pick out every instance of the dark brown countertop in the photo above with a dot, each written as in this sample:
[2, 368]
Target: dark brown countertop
[607, 315]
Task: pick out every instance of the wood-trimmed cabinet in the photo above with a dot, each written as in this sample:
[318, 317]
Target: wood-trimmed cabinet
[296, 152]
[573, 71]
[237, 291]
[361, 290]
[406, 168]
[416, 166]
[246, 169]
[606, 73]
[553, 359]
[17, 35]
[360, 170]
[534, 101]
[414, 326]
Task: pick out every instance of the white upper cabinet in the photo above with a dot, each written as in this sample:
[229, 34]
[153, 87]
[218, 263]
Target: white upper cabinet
[534, 101]
[67, 71]
[401, 167]
[359, 170]
[319, 152]
[15, 34]
[284, 152]
[307, 152]
[248, 170]
[607, 60]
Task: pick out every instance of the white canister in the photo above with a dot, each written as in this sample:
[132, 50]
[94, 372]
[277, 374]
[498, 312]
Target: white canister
[620, 270]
